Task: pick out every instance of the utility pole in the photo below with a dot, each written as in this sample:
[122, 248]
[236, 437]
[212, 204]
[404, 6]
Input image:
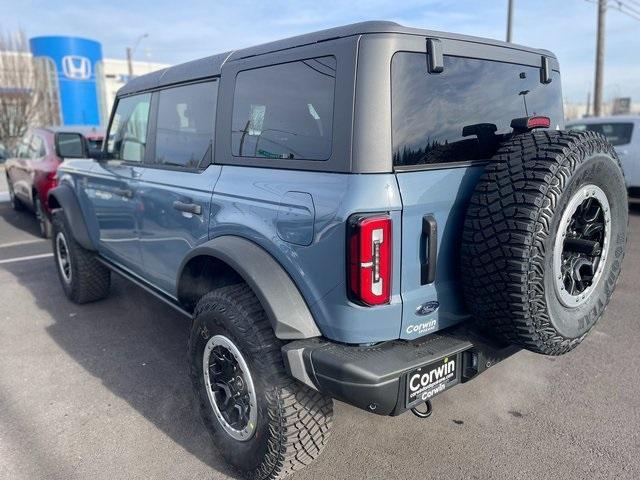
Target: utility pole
[130, 51]
[509, 20]
[597, 90]
[586, 114]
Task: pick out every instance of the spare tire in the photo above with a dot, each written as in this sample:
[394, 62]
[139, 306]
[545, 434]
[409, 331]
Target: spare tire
[544, 238]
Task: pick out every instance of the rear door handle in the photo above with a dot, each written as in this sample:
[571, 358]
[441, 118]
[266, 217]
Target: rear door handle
[188, 207]
[430, 245]
[124, 192]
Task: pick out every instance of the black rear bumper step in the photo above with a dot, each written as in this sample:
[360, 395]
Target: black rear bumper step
[374, 377]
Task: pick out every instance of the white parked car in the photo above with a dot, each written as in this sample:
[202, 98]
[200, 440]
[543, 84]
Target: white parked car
[623, 132]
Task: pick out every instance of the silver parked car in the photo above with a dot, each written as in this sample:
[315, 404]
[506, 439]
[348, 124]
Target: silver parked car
[623, 132]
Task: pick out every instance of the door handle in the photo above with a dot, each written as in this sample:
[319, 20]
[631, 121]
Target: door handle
[188, 207]
[124, 192]
[430, 245]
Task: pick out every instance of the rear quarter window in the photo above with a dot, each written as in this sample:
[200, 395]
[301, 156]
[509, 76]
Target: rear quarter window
[618, 133]
[285, 111]
[461, 113]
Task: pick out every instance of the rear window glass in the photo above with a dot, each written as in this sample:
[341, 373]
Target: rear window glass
[616, 133]
[461, 113]
[285, 111]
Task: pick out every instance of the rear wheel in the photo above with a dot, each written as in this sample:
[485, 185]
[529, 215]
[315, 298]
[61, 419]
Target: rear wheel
[265, 424]
[83, 278]
[16, 204]
[544, 239]
[44, 223]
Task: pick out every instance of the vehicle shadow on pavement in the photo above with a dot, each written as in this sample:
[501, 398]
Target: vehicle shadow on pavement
[10, 219]
[136, 346]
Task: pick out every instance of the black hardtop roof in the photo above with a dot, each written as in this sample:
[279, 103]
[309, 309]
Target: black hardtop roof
[211, 66]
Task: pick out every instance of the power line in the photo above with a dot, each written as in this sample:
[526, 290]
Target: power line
[632, 11]
[622, 7]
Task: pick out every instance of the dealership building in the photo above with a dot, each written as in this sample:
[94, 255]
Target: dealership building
[83, 83]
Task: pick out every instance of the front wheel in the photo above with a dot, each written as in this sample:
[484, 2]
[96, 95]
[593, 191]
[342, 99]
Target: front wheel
[265, 424]
[83, 278]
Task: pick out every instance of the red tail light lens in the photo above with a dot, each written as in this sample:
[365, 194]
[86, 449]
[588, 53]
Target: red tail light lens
[538, 122]
[370, 259]
[52, 179]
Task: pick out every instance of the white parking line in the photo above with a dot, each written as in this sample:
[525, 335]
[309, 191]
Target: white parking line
[22, 259]
[22, 242]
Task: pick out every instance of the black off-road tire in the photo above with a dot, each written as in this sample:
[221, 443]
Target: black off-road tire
[510, 232]
[16, 203]
[44, 223]
[293, 422]
[89, 280]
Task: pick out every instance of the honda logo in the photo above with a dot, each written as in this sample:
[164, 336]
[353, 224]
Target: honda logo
[76, 67]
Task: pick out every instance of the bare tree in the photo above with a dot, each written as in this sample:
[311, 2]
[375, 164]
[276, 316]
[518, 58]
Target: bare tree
[28, 89]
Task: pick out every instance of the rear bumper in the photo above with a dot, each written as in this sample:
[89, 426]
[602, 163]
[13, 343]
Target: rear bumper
[374, 378]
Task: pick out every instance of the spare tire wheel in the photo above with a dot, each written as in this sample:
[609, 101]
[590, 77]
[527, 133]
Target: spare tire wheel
[544, 238]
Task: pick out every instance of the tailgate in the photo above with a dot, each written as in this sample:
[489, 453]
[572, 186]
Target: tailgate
[442, 195]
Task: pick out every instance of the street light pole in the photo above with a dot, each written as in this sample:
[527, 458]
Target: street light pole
[130, 51]
[509, 20]
[129, 62]
[597, 90]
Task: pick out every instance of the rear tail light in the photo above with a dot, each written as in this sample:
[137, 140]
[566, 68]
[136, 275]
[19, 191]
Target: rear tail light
[370, 259]
[52, 178]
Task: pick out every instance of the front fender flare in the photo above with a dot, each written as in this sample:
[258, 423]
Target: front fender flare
[65, 198]
[285, 307]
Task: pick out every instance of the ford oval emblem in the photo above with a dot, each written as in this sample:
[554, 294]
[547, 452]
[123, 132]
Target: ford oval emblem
[427, 308]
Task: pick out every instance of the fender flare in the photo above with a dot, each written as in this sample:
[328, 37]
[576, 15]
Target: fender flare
[286, 309]
[63, 197]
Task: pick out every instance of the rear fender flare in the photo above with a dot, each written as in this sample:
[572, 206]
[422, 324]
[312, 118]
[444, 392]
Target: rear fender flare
[286, 309]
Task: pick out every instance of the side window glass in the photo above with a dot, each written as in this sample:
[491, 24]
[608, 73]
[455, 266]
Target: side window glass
[184, 134]
[36, 148]
[285, 111]
[128, 130]
[23, 147]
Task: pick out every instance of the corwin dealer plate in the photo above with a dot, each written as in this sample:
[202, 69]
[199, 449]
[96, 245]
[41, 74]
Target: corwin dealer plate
[427, 381]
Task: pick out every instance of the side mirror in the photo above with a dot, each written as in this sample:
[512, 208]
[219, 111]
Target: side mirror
[71, 145]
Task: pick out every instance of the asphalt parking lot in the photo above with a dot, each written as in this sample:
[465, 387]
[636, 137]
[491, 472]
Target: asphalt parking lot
[101, 391]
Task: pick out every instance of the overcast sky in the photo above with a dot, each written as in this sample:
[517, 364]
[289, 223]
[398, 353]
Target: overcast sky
[181, 31]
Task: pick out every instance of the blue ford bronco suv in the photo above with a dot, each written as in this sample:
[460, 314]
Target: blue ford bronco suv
[370, 213]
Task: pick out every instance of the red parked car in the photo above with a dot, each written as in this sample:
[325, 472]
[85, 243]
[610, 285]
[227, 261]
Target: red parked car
[32, 166]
